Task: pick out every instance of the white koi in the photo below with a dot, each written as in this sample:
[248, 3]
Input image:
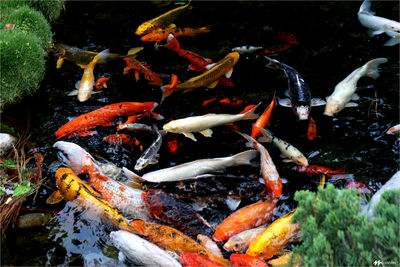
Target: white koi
[210, 245]
[150, 155]
[247, 49]
[394, 129]
[379, 25]
[288, 151]
[202, 124]
[141, 251]
[194, 169]
[345, 90]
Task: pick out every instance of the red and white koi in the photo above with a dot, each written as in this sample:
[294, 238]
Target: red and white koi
[394, 129]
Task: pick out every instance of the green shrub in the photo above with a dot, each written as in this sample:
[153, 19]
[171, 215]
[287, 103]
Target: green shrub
[335, 234]
[22, 65]
[29, 20]
[51, 9]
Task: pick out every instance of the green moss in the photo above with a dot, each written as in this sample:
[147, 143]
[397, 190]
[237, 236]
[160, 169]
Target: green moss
[51, 9]
[335, 234]
[29, 20]
[22, 65]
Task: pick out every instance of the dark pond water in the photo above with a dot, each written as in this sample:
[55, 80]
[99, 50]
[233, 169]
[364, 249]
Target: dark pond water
[332, 43]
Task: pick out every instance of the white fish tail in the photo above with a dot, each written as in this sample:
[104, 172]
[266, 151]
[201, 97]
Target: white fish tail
[101, 57]
[267, 135]
[131, 175]
[371, 67]
[392, 41]
[244, 158]
[251, 141]
[366, 8]
[250, 115]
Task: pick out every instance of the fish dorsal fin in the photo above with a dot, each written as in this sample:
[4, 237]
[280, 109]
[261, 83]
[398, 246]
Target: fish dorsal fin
[213, 84]
[207, 132]
[190, 135]
[54, 198]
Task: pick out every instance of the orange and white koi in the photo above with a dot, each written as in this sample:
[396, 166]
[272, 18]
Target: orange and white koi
[288, 151]
[263, 120]
[101, 83]
[242, 240]
[277, 236]
[163, 20]
[208, 78]
[245, 260]
[104, 116]
[202, 124]
[133, 63]
[119, 139]
[245, 218]
[312, 129]
[394, 129]
[159, 35]
[272, 181]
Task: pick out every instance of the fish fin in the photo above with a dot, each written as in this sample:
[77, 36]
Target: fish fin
[121, 256]
[365, 8]
[209, 66]
[287, 160]
[82, 65]
[213, 84]
[133, 51]
[172, 25]
[167, 90]
[87, 133]
[282, 156]
[371, 33]
[60, 61]
[250, 139]
[137, 77]
[172, 43]
[355, 97]
[267, 135]
[207, 175]
[317, 102]
[195, 68]
[131, 175]
[229, 73]
[272, 64]
[372, 67]
[190, 135]
[101, 57]
[285, 102]
[154, 159]
[73, 93]
[351, 104]
[207, 132]
[55, 197]
[245, 157]
[250, 115]
[287, 93]
[392, 41]
[77, 84]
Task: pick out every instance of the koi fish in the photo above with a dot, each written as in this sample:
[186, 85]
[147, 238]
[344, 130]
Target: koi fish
[136, 118]
[242, 240]
[234, 102]
[120, 139]
[316, 170]
[125, 198]
[282, 260]
[206, 102]
[85, 85]
[159, 35]
[209, 78]
[247, 49]
[202, 124]
[379, 25]
[299, 92]
[276, 49]
[141, 251]
[312, 129]
[272, 181]
[71, 188]
[137, 127]
[163, 20]
[394, 129]
[345, 90]
[189, 259]
[194, 169]
[288, 151]
[150, 155]
[210, 245]
[172, 146]
[277, 236]
[245, 218]
[263, 120]
[362, 188]
[287, 37]
[163, 207]
[101, 83]
[246, 260]
[104, 116]
[133, 63]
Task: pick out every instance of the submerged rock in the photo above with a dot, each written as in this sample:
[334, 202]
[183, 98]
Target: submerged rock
[6, 143]
[33, 220]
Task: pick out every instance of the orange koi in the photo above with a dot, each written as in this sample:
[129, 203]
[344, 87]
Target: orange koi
[263, 120]
[208, 78]
[206, 102]
[172, 146]
[234, 102]
[101, 83]
[312, 129]
[287, 37]
[119, 139]
[133, 63]
[276, 49]
[311, 170]
[190, 259]
[102, 117]
[283, 260]
[277, 236]
[245, 218]
[246, 260]
[162, 34]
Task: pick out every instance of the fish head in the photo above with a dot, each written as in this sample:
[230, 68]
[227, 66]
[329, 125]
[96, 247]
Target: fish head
[302, 112]
[235, 56]
[234, 245]
[301, 160]
[84, 95]
[332, 107]
[141, 163]
[171, 127]
[144, 28]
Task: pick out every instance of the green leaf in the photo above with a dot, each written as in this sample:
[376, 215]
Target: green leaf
[9, 163]
[21, 189]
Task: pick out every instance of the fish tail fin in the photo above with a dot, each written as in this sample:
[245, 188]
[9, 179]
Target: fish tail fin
[366, 8]
[172, 43]
[101, 57]
[245, 157]
[392, 41]
[251, 140]
[372, 67]
[167, 90]
[272, 64]
[131, 175]
[250, 115]
[267, 135]
[155, 79]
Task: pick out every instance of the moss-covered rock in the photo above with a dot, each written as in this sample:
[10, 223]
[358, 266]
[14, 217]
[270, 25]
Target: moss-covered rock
[29, 20]
[22, 65]
[51, 9]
